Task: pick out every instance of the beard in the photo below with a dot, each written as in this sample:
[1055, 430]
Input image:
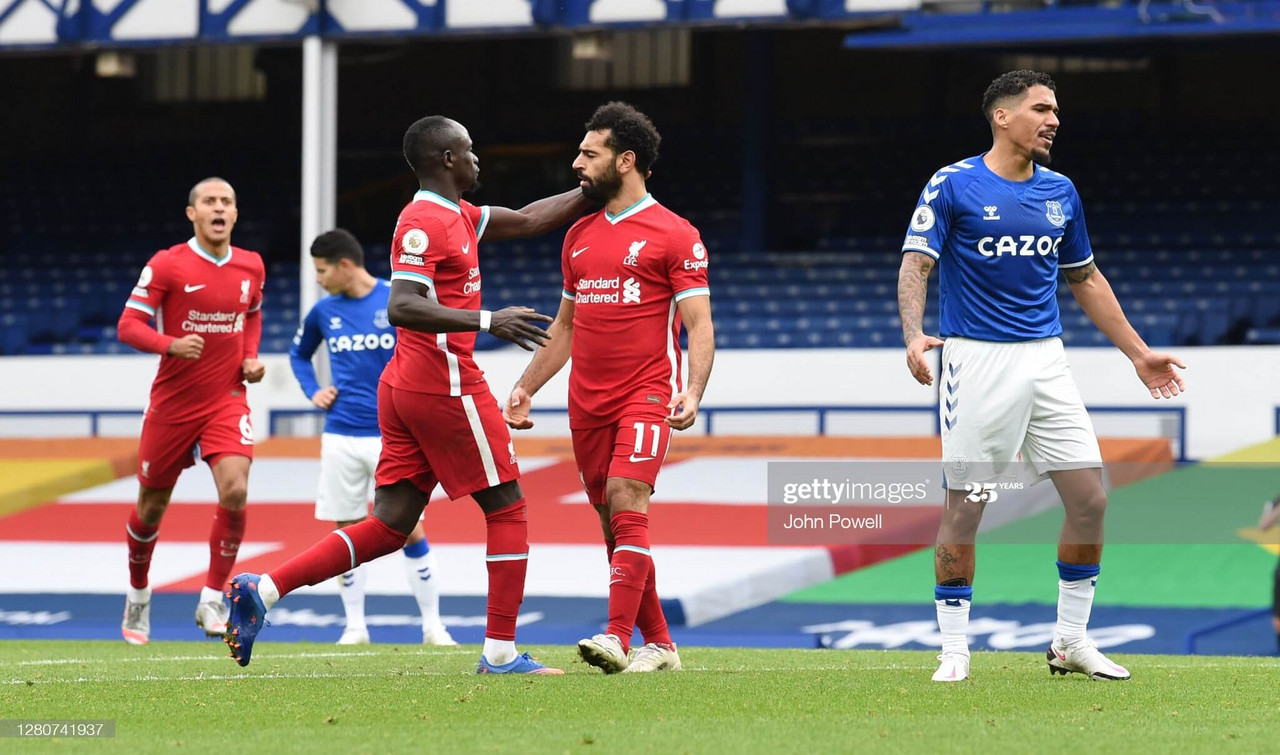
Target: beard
[604, 188]
[1041, 157]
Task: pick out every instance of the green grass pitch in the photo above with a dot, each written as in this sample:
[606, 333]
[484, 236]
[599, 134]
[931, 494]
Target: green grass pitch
[176, 697]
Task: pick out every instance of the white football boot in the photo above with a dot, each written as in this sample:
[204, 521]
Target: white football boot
[437, 635]
[604, 651]
[136, 625]
[654, 657]
[212, 617]
[953, 667]
[1084, 658]
[354, 636]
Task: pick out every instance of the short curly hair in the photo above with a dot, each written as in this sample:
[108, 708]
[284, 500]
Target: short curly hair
[1013, 84]
[629, 130]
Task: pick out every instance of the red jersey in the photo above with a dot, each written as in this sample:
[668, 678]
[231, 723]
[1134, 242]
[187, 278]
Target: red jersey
[187, 290]
[436, 243]
[624, 274]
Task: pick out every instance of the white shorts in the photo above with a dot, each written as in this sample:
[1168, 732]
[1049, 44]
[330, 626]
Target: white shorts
[1010, 411]
[347, 463]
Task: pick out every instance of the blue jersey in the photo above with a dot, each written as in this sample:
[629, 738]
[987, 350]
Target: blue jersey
[360, 341]
[999, 246]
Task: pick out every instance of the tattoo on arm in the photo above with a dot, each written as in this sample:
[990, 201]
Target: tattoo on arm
[1080, 274]
[913, 288]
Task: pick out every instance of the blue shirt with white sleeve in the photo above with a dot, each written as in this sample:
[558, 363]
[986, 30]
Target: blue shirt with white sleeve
[361, 341]
[999, 245]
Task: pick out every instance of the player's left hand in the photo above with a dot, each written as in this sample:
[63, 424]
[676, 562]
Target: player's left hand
[688, 404]
[1155, 370]
[253, 370]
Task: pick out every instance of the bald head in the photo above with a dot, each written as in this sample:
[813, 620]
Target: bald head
[194, 195]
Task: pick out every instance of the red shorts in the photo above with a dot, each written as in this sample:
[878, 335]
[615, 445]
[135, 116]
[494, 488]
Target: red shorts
[634, 447]
[166, 449]
[458, 442]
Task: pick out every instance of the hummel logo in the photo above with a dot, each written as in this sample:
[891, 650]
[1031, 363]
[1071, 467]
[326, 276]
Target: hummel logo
[190, 288]
[991, 211]
[580, 251]
[637, 459]
[466, 247]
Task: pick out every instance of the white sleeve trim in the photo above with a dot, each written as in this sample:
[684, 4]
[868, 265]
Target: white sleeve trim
[922, 250]
[401, 275]
[131, 304]
[691, 292]
[565, 294]
[484, 222]
[1075, 264]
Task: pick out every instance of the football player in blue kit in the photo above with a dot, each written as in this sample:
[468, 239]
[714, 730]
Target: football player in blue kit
[999, 227]
[352, 323]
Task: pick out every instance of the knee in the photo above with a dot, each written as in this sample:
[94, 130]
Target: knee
[606, 527]
[152, 505]
[234, 495]
[1090, 506]
[962, 518]
[627, 495]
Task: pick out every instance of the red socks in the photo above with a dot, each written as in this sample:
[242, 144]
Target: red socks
[650, 619]
[224, 546]
[507, 559]
[338, 552]
[142, 541]
[628, 572]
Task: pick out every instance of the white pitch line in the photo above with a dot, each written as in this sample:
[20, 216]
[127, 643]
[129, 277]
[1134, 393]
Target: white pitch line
[389, 654]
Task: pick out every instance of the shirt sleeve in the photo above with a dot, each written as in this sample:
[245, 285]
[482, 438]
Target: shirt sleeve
[570, 288]
[479, 217]
[149, 292]
[931, 220]
[687, 262]
[305, 343]
[1075, 249]
[255, 301]
[417, 247]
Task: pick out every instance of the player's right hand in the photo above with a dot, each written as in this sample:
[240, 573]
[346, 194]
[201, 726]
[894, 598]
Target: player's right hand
[516, 324]
[325, 397]
[916, 362]
[188, 347]
[516, 410]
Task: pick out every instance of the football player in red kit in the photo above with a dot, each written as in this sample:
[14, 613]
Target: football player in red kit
[633, 273]
[206, 298]
[440, 424]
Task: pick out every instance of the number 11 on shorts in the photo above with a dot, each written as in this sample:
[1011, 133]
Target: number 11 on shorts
[656, 434]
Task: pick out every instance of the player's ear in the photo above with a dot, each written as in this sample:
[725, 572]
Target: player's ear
[191, 213]
[626, 161]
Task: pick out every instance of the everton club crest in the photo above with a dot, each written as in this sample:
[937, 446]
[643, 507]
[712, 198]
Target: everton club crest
[1054, 213]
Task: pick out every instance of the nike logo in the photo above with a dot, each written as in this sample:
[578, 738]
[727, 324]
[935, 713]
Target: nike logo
[637, 459]
[226, 554]
[614, 582]
[1061, 657]
[466, 248]
[190, 288]
[580, 251]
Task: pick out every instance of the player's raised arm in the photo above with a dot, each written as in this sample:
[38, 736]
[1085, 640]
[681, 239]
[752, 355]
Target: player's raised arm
[548, 361]
[534, 219]
[1091, 288]
[411, 306]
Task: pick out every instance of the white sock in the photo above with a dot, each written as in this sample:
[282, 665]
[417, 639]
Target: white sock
[210, 595]
[139, 596]
[421, 573]
[953, 622]
[1075, 601]
[267, 591]
[351, 588]
[499, 652]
